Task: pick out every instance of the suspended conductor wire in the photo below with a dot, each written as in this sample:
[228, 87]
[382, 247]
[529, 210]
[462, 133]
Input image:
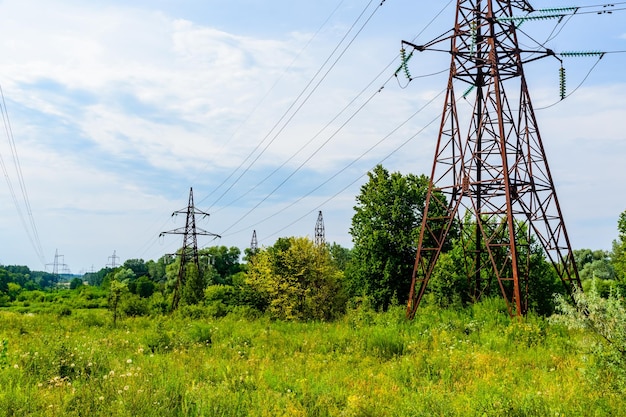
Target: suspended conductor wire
[332, 121]
[389, 155]
[367, 151]
[339, 114]
[32, 233]
[150, 243]
[322, 130]
[391, 63]
[575, 89]
[297, 99]
[249, 115]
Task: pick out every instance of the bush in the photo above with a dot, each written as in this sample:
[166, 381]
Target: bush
[134, 306]
[64, 311]
[606, 319]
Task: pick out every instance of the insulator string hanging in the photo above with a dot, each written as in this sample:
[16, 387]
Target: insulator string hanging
[562, 89]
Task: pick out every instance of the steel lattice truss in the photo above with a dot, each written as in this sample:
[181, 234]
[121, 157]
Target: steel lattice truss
[189, 251]
[490, 181]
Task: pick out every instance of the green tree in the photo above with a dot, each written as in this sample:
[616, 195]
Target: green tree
[385, 231]
[138, 266]
[4, 281]
[618, 254]
[224, 262]
[117, 289]
[76, 283]
[341, 256]
[298, 280]
[194, 286]
[144, 287]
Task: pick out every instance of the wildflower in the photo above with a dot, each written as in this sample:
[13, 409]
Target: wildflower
[126, 387]
[101, 398]
[129, 361]
[16, 366]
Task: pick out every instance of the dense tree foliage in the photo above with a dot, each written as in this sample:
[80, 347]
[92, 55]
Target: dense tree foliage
[385, 231]
[298, 280]
[223, 263]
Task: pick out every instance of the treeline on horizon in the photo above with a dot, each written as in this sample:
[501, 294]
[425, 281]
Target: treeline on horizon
[295, 279]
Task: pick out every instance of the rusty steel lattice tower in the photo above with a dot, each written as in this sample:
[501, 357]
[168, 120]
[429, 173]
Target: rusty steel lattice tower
[490, 184]
[189, 250]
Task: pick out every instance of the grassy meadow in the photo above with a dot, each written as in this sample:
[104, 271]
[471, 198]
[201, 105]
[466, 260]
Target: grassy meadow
[471, 362]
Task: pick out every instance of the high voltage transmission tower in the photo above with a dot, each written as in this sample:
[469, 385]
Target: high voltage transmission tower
[254, 243]
[320, 238]
[113, 261]
[490, 185]
[189, 250]
[59, 267]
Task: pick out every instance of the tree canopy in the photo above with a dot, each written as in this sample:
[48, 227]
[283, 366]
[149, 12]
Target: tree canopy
[385, 231]
[298, 280]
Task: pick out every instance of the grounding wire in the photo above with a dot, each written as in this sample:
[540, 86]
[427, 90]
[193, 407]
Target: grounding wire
[293, 104]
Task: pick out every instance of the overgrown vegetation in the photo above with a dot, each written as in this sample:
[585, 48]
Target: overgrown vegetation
[318, 330]
[455, 362]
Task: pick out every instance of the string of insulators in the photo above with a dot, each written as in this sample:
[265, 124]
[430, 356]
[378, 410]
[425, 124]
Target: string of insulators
[474, 28]
[562, 82]
[581, 53]
[469, 90]
[522, 19]
[557, 10]
[403, 66]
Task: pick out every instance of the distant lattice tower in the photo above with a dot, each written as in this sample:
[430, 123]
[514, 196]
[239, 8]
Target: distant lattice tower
[320, 238]
[113, 261]
[254, 243]
[59, 267]
[490, 180]
[189, 251]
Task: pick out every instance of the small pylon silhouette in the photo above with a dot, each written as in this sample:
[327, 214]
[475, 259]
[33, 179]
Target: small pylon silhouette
[189, 250]
[490, 183]
[320, 233]
[254, 244]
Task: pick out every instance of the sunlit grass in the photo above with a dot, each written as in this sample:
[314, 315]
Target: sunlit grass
[475, 362]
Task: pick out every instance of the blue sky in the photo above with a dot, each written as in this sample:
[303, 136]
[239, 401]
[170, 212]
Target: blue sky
[117, 108]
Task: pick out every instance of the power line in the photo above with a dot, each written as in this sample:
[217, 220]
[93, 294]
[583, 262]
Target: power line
[321, 130]
[150, 243]
[32, 233]
[367, 151]
[293, 104]
[284, 115]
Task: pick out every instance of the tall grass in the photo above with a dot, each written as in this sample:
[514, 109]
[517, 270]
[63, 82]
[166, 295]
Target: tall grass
[473, 362]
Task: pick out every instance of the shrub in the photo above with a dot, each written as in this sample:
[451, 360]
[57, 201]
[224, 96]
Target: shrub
[606, 319]
[135, 306]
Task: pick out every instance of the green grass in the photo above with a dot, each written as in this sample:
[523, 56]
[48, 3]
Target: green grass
[475, 362]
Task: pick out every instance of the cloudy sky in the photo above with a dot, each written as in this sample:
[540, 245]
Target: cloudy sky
[270, 110]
